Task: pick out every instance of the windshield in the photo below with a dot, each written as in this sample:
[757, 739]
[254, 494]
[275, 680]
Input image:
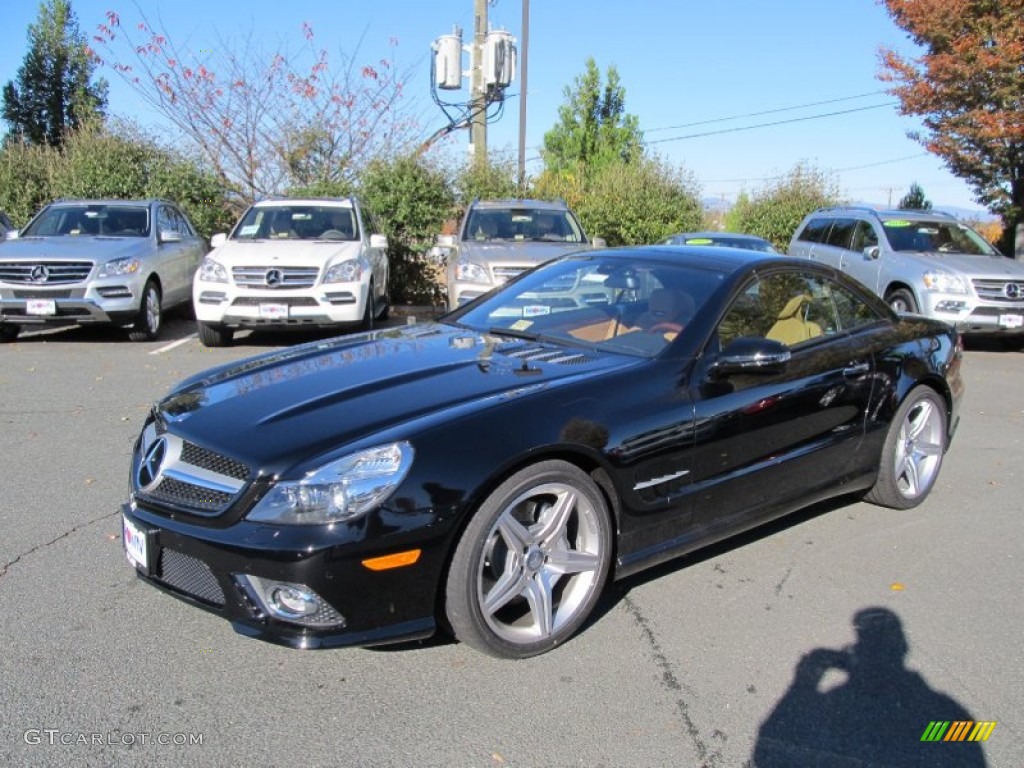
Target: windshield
[90, 220]
[939, 237]
[531, 224]
[631, 307]
[297, 222]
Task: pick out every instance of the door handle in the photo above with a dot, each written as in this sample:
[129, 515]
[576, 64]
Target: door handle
[854, 370]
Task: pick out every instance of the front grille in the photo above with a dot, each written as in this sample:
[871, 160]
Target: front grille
[191, 576]
[44, 272]
[195, 497]
[279, 277]
[503, 274]
[1010, 291]
[51, 294]
[213, 461]
[291, 301]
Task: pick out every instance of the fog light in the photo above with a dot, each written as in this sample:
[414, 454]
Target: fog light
[950, 306]
[294, 603]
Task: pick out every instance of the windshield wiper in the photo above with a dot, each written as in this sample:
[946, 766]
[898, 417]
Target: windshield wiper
[515, 333]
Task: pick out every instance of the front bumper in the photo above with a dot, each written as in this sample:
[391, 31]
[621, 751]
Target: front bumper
[115, 303]
[203, 566]
[973, 316]
[337, 304]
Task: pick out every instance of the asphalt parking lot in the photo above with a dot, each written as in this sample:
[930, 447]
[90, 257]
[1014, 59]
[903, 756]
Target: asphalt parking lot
[833, 639]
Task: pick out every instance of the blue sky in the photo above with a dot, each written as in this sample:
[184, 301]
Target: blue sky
[686, 67]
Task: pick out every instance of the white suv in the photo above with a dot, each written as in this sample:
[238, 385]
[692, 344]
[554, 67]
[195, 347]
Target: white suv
[293, 264]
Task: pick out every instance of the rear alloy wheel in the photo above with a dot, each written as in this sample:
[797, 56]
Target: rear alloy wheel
[901, 301]
[9, 332]
[531, 564]
[214, 335]
[147, 323]
[913, 451]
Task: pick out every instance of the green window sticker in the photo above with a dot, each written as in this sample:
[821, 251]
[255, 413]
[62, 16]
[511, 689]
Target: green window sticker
[699, 241]
[896, 223]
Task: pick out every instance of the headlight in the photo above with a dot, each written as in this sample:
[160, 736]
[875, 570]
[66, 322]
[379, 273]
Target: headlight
[211, 271]
[346, 272]
[339, 491]
[119, 268]
[468, 272]
[944, 282]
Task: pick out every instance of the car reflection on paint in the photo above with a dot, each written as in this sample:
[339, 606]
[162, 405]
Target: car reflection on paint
[488, 473]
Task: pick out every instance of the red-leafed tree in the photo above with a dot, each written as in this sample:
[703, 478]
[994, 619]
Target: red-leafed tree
[968, 89]
[266, 121]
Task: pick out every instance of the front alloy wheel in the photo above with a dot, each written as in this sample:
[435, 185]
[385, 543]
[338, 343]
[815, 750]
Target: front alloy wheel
[913, 450]
[147, 322]
[532, 562]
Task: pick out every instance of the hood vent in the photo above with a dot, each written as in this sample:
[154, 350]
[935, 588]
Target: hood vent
[536, 353]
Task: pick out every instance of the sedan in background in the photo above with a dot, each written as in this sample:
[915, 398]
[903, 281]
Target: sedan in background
[489, 472]
[728, 239]
[117, 262]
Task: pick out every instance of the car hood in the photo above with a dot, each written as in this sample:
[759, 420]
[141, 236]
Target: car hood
[276, 410]
[284, 252]
[526, 252]
[975, 266]
[76, 248]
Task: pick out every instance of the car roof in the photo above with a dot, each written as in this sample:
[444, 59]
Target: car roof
[886, 214]
[717, 236]
[524, 202]
[712, 257]
[340, 202]
[110, 201]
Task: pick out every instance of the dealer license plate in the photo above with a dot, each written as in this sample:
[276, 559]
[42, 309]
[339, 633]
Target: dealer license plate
[136, 545]
[273, 311]
[41, 307]
[1011, 321]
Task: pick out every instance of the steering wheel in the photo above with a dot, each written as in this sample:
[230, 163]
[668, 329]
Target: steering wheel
[665, 327]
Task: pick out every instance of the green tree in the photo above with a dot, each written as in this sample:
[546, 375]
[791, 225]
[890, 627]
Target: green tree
[411, 198]
[968, 88]
[915, 200]
[53, 92]
[775, 211]
[593, 128]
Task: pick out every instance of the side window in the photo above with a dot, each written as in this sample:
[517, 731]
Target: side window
[182, 223]
[864, 236]
[816, 230]
[841, 233]
[851, 311]
[164, 221]
[791, 307]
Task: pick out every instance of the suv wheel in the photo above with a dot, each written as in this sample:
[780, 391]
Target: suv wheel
[370, 312]
[901, 300]
[147, 323]
[214, 335]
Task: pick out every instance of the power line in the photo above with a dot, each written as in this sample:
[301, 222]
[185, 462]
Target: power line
[764, 112]
[835, 170]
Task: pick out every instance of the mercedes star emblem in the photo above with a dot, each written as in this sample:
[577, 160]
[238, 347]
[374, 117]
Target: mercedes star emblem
[149, 468]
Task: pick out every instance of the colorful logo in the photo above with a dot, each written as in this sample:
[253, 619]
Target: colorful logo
[958, 730]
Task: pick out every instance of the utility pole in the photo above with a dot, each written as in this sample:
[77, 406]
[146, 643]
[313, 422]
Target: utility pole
[525, 32]
[478, 95]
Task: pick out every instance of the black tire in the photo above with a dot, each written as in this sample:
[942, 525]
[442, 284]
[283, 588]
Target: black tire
[902, 301]
[214, 335]
[531, 564]
[368, 313]
[9, 332]
[149, 320]
[913, 451]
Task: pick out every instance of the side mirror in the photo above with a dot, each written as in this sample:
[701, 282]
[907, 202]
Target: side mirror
[218, 240]
[170, 236]
[598, 242]
[751, 355]
[379, 241]
[871, 253]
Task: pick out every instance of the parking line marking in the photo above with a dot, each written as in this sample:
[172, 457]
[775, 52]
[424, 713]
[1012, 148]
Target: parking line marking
[173, 344]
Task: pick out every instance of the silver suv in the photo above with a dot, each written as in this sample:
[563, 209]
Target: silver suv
[920, 262]
[118, 262]
[501, 239]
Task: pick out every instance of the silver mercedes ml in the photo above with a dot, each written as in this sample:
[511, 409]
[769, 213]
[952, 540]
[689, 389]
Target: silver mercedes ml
[921, 262]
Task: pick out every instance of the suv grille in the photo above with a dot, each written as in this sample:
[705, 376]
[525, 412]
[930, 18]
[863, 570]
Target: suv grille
[45, 272]
[503, 274]
[1000, 290]
[275, 278]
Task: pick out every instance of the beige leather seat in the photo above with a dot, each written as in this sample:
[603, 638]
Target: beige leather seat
[792, 325]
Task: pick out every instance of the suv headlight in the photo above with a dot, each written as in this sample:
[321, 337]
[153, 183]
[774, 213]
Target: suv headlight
[468, 272]
[341, 490]
[346, 272]
[211, 271]
[944, 282]
[119, 268]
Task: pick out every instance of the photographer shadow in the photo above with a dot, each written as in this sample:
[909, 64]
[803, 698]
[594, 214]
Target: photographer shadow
[860, 706]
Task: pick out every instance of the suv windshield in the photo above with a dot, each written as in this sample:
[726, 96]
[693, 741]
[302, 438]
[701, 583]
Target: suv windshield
[504, 224]
[938, 237]
[90, 220]
[297, 222]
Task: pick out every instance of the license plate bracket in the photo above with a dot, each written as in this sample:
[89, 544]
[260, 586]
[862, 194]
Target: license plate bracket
[139, 544]
[270, 311]
[40, 307]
